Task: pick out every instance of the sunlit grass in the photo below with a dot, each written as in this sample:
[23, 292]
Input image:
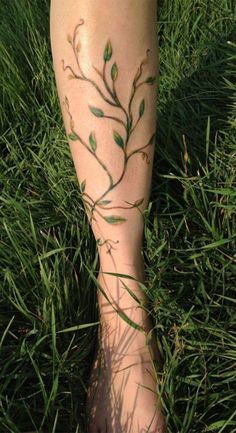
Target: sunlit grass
[48, 311]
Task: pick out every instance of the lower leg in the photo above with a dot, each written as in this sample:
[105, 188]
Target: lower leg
[105, 61]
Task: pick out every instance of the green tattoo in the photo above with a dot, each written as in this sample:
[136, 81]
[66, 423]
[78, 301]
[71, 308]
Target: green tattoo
[122, 141]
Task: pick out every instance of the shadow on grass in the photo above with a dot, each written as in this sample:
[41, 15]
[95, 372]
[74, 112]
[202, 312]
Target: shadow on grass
[204, 93]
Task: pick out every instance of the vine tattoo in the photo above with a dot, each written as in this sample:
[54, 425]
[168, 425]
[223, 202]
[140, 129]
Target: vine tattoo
[109, 95]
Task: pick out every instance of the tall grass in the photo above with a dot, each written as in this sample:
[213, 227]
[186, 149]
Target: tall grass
[48, 311]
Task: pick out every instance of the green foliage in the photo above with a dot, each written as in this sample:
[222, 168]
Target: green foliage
[48, 311]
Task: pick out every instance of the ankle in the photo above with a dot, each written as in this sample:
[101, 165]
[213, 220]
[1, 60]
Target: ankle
[122, 299]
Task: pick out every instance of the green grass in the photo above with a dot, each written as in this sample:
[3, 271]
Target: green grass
[47, 247]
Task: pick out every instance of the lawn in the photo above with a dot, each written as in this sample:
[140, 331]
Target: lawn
[48, 311]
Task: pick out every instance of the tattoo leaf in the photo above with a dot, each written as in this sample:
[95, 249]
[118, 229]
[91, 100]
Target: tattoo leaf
[69, 39]
[118, 139]
[104, 202]
[96, 111]
[150, 80]
[141, 108]
[114, 219]
[73, 136]
[78, 47]
[107, 52]
[82, 185]
[138, 202]
[114, 72]
[152, 139]
[92, 141]
[129, 125]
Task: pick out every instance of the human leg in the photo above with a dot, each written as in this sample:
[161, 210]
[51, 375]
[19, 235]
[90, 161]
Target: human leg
[105, 61]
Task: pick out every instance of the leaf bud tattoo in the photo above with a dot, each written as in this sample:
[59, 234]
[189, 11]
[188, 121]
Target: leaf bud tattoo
[121, 140]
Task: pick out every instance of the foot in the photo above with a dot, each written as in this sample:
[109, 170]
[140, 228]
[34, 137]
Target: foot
[122, 396]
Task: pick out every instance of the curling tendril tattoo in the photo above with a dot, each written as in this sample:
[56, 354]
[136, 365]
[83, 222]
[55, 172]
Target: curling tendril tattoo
[111, 97]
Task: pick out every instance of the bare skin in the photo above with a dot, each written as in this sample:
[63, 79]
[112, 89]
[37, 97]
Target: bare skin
[122, 395]
[105, 62]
